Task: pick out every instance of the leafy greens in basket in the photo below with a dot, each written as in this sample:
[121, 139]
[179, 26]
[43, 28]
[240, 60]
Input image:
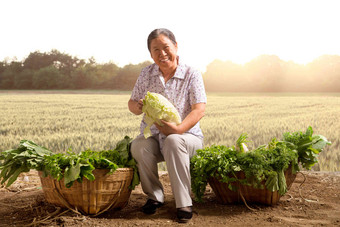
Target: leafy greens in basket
[22, 159]
[265, 163]
[69, 166]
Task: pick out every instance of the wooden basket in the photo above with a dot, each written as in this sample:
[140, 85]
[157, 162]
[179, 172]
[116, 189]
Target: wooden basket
[249, 193]
[91, 197]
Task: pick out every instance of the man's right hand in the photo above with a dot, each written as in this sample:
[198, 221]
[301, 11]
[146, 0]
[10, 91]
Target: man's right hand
[140, 104]
[135, 107]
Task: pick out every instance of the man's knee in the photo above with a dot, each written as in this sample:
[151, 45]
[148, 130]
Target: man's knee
[174, 142]
[141, 147]
[137, 147]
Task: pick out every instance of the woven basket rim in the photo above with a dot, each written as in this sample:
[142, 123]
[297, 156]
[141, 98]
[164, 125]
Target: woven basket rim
[118, 169]
[125, 169]
[96, 169]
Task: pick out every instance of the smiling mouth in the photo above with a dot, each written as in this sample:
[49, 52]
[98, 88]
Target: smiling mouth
[164, 60]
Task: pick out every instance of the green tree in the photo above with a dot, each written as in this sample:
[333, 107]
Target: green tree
[8, 75]
[63, 62]
[82, 78]
[66, 63]
[23, 80]
[46, 78]
[2, 66]
[127, 76]
[37, 60]
[106, 74]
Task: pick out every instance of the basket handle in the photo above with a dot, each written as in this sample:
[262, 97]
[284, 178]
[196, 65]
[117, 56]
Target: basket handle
[62, 199]
[113, 202]
[245, 202]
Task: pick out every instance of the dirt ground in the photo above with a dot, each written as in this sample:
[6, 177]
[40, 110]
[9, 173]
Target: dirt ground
[23, 204]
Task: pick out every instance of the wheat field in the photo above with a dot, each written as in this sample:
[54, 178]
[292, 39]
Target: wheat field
[63, 120]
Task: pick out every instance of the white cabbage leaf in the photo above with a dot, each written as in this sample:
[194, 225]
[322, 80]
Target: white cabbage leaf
[156, 107]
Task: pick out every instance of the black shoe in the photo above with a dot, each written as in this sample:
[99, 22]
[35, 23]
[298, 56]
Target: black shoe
[151, 206]
[184, 215]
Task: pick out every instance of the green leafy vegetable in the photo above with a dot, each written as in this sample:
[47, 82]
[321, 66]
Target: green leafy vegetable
[69, 166]
[241, 143]
[307, 145]
[15, 161]
[265, 163]
[156, 107]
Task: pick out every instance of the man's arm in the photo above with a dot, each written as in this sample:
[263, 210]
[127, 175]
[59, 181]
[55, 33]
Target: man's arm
[135, 107]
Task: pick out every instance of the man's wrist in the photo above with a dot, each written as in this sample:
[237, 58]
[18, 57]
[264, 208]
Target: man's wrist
[180, 129]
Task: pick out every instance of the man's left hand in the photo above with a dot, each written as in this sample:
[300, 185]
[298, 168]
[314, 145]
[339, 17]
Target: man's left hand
[168, 128]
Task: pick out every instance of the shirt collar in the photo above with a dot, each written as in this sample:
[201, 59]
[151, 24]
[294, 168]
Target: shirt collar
[180, 70]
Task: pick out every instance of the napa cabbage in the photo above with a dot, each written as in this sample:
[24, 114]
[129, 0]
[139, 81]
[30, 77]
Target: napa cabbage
[156, 108]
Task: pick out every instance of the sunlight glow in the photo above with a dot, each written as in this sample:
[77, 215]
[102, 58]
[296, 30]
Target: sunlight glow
[205, 30]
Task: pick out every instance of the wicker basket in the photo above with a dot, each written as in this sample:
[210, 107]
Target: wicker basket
[91, 197]
[248, 193]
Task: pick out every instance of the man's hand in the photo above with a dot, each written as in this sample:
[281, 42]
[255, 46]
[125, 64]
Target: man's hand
[140, 104]
[197, 112]
[169, 128]
[135, 107]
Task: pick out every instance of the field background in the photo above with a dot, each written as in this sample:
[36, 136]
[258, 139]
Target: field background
[63, 120]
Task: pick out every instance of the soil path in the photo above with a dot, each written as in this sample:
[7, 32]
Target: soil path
[23, 204]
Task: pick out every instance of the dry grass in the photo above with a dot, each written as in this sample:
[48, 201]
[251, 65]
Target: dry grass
[63, 121]
[96, 120]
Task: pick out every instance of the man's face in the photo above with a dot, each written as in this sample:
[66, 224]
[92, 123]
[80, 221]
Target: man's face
[164, 52]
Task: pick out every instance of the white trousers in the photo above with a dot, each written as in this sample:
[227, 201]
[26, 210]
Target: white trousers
[176, 152]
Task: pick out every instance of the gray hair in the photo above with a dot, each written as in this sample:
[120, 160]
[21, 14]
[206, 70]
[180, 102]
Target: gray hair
[161, 31]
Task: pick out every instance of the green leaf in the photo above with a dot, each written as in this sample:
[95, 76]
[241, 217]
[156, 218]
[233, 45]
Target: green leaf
[272, 182]
[72, 173]
[309, 131]
[15, 175]
[123, 147]
[41, 151]
[241, 142]
[135, 179]
[282, 183]
[319, 142]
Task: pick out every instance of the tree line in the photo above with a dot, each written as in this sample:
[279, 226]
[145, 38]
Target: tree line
[266, 73]
[56, 70]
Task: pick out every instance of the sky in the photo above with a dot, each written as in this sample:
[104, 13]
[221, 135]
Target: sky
[116, 31]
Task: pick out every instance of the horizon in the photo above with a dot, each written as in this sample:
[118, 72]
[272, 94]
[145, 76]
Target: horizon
[7, 59]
